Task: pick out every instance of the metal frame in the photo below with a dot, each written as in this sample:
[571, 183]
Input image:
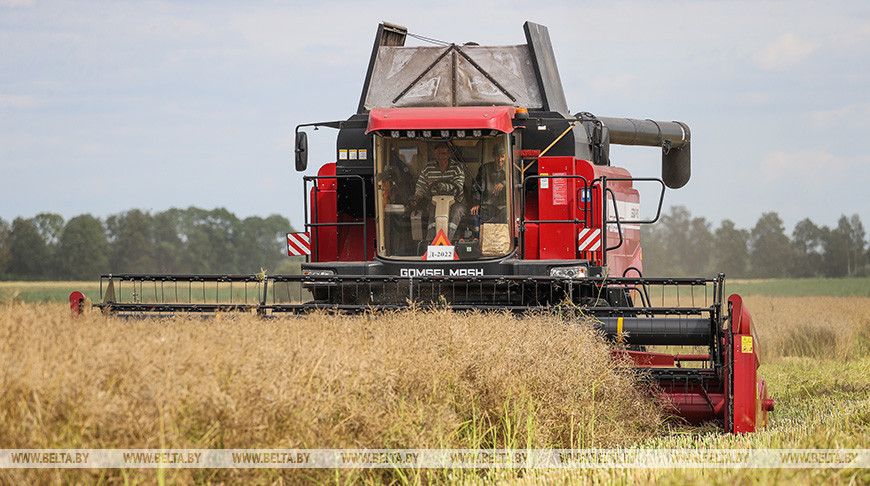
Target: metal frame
[587, 212]
[604, 216]
[566, 289]
[317, 225]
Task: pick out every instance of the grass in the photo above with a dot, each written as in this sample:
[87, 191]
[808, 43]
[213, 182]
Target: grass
[32, 292]
[408, 380]
[46, 291]
[59, 291]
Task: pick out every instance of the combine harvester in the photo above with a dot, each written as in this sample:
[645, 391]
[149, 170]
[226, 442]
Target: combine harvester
[463, 180]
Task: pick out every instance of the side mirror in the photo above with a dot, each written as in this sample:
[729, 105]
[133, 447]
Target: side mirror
[601, 145]
[301, 151]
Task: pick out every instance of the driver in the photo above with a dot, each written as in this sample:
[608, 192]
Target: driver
[443, 177]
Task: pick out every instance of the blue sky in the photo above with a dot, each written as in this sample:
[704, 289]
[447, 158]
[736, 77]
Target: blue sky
[109, 106]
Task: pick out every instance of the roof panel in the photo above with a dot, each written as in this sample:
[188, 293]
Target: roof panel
[443, 118]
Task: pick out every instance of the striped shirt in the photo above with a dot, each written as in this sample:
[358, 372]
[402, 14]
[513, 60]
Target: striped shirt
[429, 183]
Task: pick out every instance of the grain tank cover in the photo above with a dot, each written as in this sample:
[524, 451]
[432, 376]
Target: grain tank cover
[465, 75]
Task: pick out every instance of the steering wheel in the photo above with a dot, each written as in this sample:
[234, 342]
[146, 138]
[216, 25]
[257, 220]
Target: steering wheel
[454, 184]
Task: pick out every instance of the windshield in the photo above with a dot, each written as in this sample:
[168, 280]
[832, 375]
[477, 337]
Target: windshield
[443, 199]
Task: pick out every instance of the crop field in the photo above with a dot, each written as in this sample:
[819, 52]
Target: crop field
[423, 380]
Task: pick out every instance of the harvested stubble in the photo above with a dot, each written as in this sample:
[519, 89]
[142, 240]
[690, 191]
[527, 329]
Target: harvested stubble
[401, 380]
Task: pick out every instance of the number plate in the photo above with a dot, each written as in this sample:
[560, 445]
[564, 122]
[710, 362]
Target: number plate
[440, 253]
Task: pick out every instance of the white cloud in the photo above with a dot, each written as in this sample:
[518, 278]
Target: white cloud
[91, 148]
[857, 36]
[17, 101]
[813, 169]
[856, 115]
[612, 85]
[17, 3]
[785, 52]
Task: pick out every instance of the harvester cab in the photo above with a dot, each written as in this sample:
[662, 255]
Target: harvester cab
[463, 180]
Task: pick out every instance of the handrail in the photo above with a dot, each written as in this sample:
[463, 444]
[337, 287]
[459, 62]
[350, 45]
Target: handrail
[605, 221]
[317, 225]
[587, 212]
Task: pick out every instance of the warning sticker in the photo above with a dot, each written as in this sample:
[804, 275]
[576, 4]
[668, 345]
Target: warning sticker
[745, 344]
[560, 190]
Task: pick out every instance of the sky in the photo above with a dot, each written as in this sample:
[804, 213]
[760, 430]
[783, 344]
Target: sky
[107, 106]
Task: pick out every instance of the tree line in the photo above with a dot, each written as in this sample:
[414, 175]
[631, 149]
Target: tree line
[196, 240]
[189, 240]
[683, 245]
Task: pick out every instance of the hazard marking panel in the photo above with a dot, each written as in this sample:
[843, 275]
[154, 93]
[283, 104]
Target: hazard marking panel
[589, 239]
[441, 249]
[298, 244]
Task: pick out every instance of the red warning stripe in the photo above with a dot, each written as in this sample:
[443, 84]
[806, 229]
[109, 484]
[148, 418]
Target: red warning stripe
[589, 239]
[298, 244]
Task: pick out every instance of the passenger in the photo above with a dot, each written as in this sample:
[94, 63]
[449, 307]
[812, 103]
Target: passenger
[443, 177]
[491, 180]
[399, 179]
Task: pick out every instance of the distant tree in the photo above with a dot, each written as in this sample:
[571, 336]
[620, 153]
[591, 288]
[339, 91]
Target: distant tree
[168, 244]
[858, 245]
[5, 232]
[189, 240]
[808, 242]
[654, 249]
[686, 243]
[676, 224]
[770, 249]
[49, 226]
[844, 248]
[837, 246]
[29, 255]
[131, 237]
[731, 254]
[83, 248]
[701, 248]
[262, 243]
[210, 240]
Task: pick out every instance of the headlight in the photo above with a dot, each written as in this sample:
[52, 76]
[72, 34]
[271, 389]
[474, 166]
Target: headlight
[578, 271]
[318, 273]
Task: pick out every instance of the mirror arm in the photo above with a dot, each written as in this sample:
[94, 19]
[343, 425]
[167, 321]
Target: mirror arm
[301, 140]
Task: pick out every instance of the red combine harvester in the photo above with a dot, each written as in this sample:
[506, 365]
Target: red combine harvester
[463, 180]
